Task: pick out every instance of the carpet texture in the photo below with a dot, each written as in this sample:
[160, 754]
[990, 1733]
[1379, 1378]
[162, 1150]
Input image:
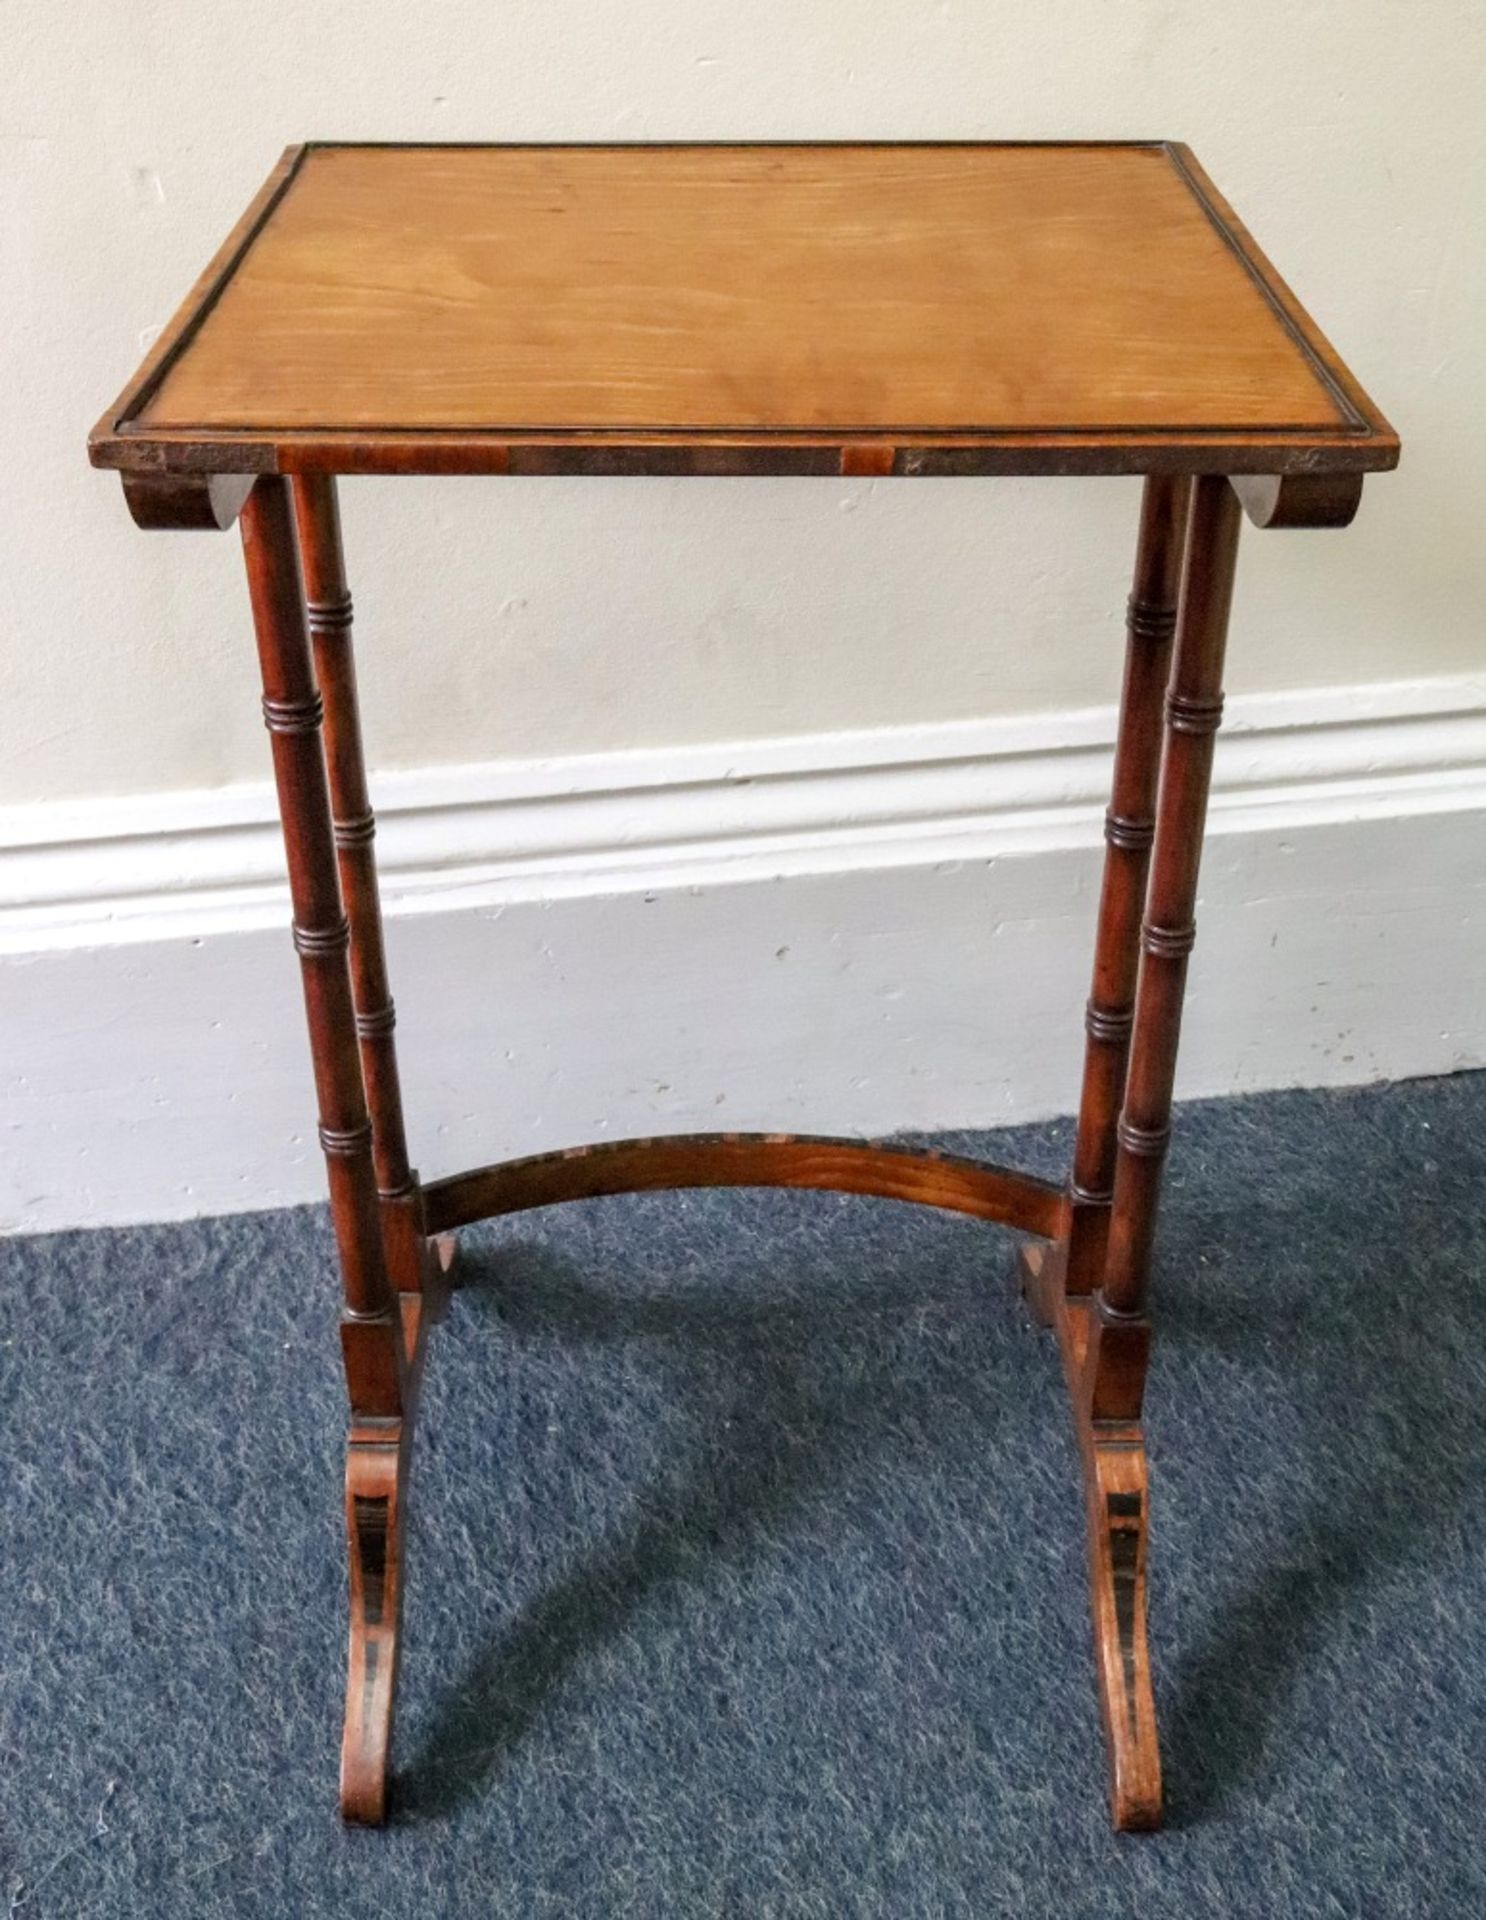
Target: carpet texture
[746, 1564]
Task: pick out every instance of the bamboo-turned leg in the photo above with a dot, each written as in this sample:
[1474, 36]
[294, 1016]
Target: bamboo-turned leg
[372, 1327]
[1129, 828]
[328, 599]
[1194, 709]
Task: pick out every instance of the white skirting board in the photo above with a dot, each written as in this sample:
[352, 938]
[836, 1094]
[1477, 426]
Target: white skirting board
[856, 933]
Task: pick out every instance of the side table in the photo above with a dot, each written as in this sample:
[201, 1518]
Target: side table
[861, 309]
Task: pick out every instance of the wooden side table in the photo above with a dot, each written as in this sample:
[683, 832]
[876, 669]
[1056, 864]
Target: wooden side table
[853, 309]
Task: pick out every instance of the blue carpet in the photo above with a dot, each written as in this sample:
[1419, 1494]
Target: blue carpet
[746, 1561]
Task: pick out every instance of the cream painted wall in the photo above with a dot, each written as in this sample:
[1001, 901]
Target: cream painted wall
[513, 618]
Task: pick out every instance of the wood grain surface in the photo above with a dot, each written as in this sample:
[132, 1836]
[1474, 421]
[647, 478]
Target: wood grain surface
[383, 305]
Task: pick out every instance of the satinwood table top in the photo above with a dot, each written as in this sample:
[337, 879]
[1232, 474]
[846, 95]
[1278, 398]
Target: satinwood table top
[996, 308]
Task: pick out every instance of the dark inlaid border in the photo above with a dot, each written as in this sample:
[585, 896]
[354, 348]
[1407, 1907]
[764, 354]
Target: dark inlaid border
[1198, 186]
[189, 318]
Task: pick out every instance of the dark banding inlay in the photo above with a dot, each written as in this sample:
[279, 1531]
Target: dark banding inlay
[1124, 1514]
[371, 1545]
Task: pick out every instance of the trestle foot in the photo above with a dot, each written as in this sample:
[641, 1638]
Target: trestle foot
[378, 1455]
[374, 1481]
[1117, 1500]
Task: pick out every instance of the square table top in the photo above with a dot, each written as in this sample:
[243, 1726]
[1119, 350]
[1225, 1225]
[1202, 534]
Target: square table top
[945, 307]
